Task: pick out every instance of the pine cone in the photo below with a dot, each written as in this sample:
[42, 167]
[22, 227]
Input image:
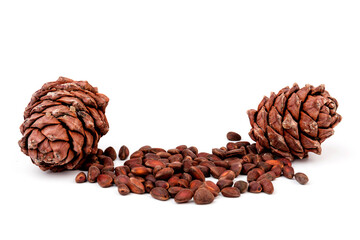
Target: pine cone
[294, 122]
[63, 124]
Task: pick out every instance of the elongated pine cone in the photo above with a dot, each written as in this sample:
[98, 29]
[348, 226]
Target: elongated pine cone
[294, 122]
[63, 124]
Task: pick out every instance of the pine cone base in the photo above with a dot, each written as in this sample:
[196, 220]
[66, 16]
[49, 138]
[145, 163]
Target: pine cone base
[294, 122]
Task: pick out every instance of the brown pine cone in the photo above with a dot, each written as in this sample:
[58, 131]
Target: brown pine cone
[294, 122]
[63, 124]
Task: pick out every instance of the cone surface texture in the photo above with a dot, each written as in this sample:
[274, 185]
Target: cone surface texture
[294, 121]
[63, 123]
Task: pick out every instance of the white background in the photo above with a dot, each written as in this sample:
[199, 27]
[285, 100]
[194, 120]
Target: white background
[180, 72]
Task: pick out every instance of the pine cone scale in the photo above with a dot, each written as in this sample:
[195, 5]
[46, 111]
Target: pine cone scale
[90, 145]
[43, 121]
[293, 143]
[60, 149]
[276, 140]
[77, 141]
[44, 146]
[72, 123]
[55, 132]
[293, 106]
[308, 125]
[35, 138]
[275, 120]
